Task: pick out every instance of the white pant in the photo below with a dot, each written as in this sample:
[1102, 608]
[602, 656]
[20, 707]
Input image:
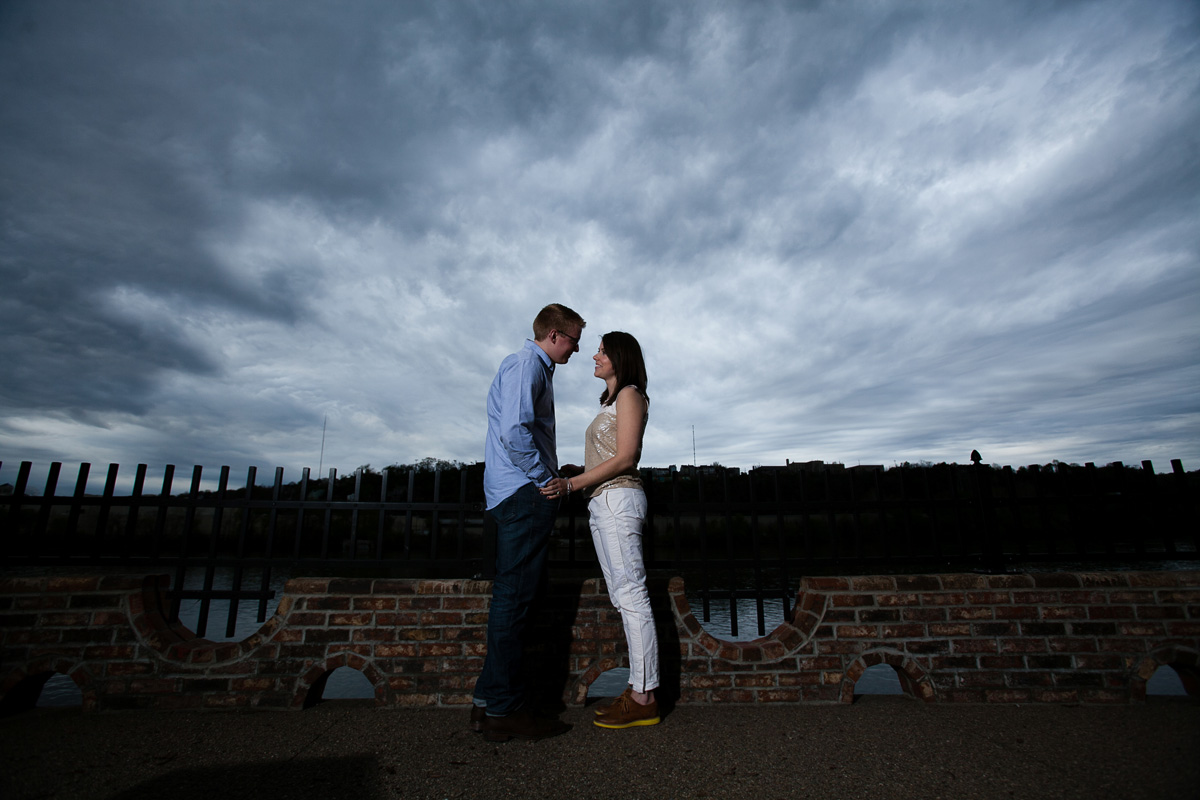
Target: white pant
[616, 518]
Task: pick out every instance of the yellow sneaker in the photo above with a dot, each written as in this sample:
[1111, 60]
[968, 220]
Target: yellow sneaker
[608, 706]
[628, 713]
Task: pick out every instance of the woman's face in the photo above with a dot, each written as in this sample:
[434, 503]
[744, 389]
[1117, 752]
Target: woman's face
[604, 367]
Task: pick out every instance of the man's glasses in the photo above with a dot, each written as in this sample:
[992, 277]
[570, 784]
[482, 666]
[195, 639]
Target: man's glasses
[574, 339]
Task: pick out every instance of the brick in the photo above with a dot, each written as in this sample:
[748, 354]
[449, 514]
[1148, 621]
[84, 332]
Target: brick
[1109, 579]
[856, 631]
[420, 634]
[1016, 612]
[752, 681]
[326, 604]
[1100, 662]
[1055, 580]
[1110, 612]
[910, 631]
[36, 602]
[988, 598]
[1078, 680]
[1181, 597]
[822, 584]
[941, 663]
[1055, 662]
[1133, 597]
[1064, 612]
[1002, 662]
[970, 613]
[842, 600]
[1034, 598]
[923, 614]
[373, 603]
[1055, 696]
[873, 583]
[1018, 679]
[903, 599]
[1160, 579]
[946, 599]
[72, 585]
[981, 679]
[96, 601]
[1159, 612]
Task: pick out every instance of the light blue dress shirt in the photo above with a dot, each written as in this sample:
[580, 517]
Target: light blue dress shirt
[520, 446]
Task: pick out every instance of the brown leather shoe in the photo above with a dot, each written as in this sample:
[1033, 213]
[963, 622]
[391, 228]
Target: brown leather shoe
[607, 705]
[478, 715]
[522, 725]
[628, 713]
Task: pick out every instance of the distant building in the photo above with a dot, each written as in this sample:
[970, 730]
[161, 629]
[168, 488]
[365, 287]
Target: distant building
[814, 466]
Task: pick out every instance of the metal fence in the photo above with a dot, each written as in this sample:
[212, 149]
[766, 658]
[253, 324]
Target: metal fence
[737, 537]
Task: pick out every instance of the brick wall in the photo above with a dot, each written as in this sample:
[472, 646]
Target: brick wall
[1055, 637]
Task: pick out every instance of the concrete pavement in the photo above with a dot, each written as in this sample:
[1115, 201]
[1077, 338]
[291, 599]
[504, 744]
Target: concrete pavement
[879, 747]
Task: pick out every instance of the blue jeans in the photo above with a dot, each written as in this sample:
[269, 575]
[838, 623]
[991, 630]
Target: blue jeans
[524, 521]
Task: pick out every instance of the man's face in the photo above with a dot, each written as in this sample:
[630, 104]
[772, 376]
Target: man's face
[564, 344]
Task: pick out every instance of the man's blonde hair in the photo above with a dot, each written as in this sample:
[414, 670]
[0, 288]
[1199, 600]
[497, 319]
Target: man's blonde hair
[555, 317]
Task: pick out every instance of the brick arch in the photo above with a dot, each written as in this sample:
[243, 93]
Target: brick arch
[786, 639]
[311, 685]
[578, 693]
[1184, 659]
[21, 687]
[913, 679]
[174, 641]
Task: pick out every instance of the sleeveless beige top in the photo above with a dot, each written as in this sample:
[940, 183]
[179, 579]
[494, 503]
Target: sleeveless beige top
[600, 444]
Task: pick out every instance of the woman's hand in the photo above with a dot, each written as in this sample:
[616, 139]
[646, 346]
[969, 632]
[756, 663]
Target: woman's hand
[555, 489]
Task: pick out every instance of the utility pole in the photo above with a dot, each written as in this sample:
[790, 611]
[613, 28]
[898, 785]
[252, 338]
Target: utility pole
[321, 463]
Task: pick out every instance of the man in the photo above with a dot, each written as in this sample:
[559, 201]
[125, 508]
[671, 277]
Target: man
[521, 457]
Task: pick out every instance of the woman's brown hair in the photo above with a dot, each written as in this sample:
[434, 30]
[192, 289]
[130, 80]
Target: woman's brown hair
[626, 356]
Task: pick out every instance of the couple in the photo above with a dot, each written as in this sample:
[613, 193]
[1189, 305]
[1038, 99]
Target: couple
[523, 485]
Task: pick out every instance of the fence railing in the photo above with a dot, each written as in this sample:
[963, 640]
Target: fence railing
[733, 535]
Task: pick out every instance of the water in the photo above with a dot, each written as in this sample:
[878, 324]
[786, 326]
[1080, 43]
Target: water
[246, 622]
[720, 618]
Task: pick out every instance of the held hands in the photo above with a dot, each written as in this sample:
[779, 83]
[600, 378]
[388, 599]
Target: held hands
[557, 488]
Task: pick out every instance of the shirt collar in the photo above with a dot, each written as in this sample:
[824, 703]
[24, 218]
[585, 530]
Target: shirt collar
[530, 344]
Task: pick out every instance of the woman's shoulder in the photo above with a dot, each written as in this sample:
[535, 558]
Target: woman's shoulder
[632, 394]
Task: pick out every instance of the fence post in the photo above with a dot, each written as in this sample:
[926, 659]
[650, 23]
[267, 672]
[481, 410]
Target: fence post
[993, 549]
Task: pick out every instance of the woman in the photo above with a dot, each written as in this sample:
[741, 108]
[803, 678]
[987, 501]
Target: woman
[617, 512]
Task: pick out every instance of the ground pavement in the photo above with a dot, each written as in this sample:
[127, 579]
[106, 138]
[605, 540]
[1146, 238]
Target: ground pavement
[884, 748]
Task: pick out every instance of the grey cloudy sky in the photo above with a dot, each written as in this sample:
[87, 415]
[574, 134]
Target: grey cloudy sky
[864, 232]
